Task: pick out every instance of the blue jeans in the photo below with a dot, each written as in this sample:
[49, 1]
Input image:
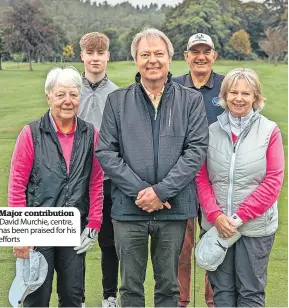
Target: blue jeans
[131, 241]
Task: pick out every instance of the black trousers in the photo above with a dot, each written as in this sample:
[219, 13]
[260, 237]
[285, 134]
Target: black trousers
[69, 268]
[109, 259]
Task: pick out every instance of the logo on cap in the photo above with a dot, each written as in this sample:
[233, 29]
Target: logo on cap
[199, 37]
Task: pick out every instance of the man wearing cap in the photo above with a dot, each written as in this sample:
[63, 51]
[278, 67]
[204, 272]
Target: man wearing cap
[200, 56]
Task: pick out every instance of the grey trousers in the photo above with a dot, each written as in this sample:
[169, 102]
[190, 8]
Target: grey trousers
[131, 241]
[241, 279]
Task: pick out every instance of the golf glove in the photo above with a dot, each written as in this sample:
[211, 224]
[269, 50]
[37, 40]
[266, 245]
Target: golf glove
[87, 240]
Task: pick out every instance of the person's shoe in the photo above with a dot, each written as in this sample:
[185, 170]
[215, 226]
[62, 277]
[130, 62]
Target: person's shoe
[110, 302]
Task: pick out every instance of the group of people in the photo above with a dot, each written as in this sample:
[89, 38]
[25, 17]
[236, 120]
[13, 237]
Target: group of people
[140, 162]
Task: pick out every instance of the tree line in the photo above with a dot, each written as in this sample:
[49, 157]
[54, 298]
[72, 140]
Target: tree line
[42, 30]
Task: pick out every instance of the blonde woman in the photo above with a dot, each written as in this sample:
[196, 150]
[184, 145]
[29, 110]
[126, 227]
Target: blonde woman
[242, 175]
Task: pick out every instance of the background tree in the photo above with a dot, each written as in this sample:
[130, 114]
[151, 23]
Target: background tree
[114, 44]
[275, 44]
[275, 10]
[28, 33]
[193, 16]
[18, 57]
[240, 42]
[68, 51]
[126, 40]
[218, 18]
[2, 46]
[253, 22]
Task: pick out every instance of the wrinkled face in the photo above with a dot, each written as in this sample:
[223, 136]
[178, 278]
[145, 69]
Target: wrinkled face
[240, 98]
[152, 59]
[95, 61]
[200, 58]
[64, 102]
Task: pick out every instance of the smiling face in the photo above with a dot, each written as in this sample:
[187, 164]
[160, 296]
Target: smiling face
[64, 102]
[240, 98]
[95, 60]
[200, 58]
[152, 60]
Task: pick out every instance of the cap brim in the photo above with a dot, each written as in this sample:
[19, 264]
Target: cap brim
[16, 292]
[200, 43]
[212, 249]
[21, 286]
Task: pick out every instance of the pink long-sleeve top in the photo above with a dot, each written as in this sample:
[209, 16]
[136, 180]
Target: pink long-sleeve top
[261, 199]
[22, 163]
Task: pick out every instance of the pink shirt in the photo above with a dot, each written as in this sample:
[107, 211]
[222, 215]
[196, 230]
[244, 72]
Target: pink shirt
[261, 199]
[22, 163]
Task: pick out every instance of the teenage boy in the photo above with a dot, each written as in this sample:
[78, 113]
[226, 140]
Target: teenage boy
[96, 87]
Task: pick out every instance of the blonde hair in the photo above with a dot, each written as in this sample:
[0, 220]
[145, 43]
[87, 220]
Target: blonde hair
[95, 41]
[252, 80]
[67, 76]
[150, 33]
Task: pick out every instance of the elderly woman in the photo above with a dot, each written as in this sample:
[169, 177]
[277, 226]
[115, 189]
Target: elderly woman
[53, 165]
[242, 176]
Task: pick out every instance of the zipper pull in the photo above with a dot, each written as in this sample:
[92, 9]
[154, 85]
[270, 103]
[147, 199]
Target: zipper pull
[156, 113]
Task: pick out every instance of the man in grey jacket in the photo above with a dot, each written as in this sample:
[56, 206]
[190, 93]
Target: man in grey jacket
[153, 140]
[96, 86]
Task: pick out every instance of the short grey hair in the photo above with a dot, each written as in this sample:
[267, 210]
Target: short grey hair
[67, 76]
[150, 33]
[251, 78]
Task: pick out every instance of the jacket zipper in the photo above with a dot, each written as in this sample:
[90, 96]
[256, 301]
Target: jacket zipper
[231, 178]
[232, 166]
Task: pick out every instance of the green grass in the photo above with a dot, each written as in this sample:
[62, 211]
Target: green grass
[22, 100]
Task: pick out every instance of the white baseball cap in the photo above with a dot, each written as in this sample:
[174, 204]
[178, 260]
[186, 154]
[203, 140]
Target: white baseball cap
[212, 249]
[200, 38]
[30, 275]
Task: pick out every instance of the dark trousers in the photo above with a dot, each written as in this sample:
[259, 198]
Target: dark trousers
[69, 269]
[241, 279]
[132, 240]
[109, 259]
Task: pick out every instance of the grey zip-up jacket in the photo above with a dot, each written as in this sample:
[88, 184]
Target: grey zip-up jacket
[126, 151]
[236, 170]
[92, 102]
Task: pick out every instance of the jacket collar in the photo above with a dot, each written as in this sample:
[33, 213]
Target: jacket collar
[167, 87]
[138, 78]
[190, 84]
[47, 126]
[224, 121]
[86, 83]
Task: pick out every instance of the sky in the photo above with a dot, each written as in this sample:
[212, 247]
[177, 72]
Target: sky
[147, 2]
